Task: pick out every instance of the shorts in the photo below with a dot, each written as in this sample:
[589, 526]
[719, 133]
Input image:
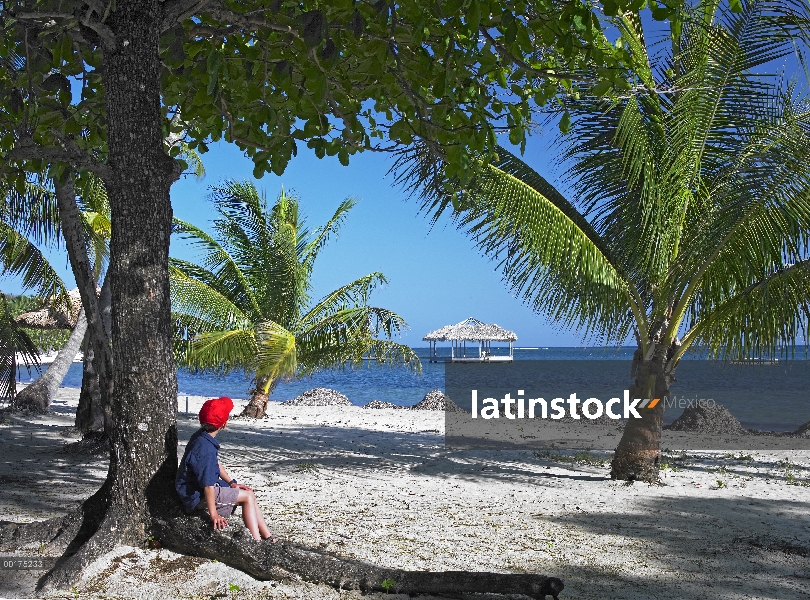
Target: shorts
[226, 498]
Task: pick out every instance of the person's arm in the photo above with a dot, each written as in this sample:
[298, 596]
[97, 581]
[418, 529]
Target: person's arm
[217, 521]
[226, 477]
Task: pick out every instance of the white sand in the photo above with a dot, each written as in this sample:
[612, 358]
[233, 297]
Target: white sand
[378, 485]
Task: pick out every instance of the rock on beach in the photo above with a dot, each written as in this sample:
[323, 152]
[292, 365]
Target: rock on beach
[381, 404]
[436, 400]
[708, 418]
[319, 397]
[803, 431]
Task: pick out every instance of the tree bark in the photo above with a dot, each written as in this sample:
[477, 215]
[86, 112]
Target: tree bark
[37, 397]
[638, 455]
[92, 413]
[266, 560]
[258, 399]
[98, 342]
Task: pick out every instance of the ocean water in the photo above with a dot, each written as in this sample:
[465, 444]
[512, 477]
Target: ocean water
[774, 397]
[360, 384]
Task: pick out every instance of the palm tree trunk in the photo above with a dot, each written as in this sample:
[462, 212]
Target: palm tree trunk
[38, 396]
[98, 340]
[259, 397]
[92, 414]
[638, 455]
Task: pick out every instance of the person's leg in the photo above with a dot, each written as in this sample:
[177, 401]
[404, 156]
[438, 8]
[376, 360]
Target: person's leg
[252, 516]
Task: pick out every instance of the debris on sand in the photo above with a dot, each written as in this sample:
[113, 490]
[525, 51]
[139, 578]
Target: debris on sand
[319, 397]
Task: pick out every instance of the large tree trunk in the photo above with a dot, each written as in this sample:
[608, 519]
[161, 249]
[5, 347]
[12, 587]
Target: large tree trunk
[638, 455]
[37, 397]
[143, 436]
[258, 399]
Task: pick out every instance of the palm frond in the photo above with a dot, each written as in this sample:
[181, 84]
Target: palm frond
[276, 356]
[18, 256]
[13, 341]
[33, 214]
[765, 319]
[354, 294]
[321, 236]
[217, 261]
[220, 351]
[549, 255]
[392, 353]
[196, 300]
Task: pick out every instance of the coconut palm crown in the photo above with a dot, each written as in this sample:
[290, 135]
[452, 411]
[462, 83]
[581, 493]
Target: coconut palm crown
[248, 304]
[690, 217]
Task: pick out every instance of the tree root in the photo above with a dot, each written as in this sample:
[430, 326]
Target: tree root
[83, 537]
[92, 444]
[53, 532]
[79, 554]
[266, 560]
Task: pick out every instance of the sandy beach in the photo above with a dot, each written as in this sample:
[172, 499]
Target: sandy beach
[378, 485]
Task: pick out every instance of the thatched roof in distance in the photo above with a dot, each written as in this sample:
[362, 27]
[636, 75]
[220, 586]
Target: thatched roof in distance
[52, 316]
[471, 330]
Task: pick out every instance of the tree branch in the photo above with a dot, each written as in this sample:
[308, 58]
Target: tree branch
[544, 73]
[247, 21]
[177, 11]
[74, 156]
[105, 33]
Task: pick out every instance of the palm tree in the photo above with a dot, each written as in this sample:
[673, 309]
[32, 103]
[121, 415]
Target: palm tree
[692, 215]
[29, 221]
[248, 304]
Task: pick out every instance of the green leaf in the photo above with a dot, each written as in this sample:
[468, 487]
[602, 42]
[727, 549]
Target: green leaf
[565, 122]
[600, 89]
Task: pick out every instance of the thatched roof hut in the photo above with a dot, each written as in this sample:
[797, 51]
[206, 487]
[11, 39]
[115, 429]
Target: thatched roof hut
[54, 315]
[471, 330]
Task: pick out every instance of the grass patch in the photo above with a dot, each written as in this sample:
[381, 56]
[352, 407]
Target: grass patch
[306, 467]
[583, 457]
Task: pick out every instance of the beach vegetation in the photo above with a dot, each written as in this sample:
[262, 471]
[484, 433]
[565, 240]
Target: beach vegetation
[686, 221]
[13, 341]
[248, 303]
[581, 457]
[47, 215]
[387, 584]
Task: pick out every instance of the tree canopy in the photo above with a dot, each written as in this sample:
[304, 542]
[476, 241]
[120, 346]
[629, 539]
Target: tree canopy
[338, 76]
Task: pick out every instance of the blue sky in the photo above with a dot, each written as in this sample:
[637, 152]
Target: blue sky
[436, 277]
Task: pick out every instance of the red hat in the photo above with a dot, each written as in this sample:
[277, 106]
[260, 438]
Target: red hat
[216, 411]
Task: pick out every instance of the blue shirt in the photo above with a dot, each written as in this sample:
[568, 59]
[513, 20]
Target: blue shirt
[198, 469]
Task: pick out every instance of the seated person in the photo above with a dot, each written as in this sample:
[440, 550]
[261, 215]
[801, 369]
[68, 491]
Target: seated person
[203, 483]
